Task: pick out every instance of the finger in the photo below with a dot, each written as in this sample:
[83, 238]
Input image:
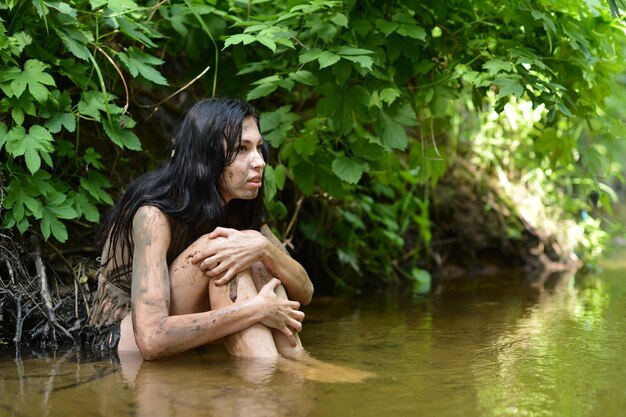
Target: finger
[295, 305]
[289, 335]
[273, 283]
[298, 315]
[205, 266]
[209, 268]
[223, 280]
[219, 231]
[211, 264]
[199, 256]
[295, 325]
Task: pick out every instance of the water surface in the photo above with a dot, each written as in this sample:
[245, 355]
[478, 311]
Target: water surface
[487, 346]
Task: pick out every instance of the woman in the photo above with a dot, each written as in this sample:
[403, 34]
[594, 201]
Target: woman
[188, 259]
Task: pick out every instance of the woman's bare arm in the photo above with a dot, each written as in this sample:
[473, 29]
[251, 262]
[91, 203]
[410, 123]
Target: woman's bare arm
[280, 264]
[241, 249]
[156, 333]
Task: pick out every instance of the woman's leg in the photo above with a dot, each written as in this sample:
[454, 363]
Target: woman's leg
[256, 340]
[261, 276]
[191, 291]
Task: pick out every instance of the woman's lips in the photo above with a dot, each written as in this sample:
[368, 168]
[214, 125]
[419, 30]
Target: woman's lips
[255, 182]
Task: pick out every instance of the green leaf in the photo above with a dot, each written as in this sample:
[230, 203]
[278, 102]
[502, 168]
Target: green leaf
[340, 103]
[304, 177]
[39, 183]
[3, 134]
[412, 31]
[497, 65]
[403, 113]
[340, 19]
[347, 169]
[62, 7]
[56, 207]
[386, 27]
[19, 106]
[262, 91]
[134, 29]
[34, 145]
[306, 145]
[304, 77]
[76, 46]
[345, 50]
[96, 184]
[354, 220]
[140, 63]
[392, 133]
[35, 78]
[364, 61]
[509, 86]
[59, 120]
[343, 71]
[408, 27]
[269, 43]
[84, 208]
[389, 95]
[280, 176]
[309, 55]
[92, 158]
[18, 41]
[277, 124]
[364, 148]
[20, 198]
[269, 183]
[96, 4]
[118, 130]
[238, 38]
[93, 102]
[327, 59]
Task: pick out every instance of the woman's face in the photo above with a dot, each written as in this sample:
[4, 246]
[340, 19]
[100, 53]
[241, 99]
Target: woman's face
[244, 176]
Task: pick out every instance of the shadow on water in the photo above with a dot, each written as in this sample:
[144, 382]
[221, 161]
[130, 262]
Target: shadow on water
[493, 346]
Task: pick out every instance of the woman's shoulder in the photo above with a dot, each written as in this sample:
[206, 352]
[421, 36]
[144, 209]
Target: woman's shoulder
[150, 218]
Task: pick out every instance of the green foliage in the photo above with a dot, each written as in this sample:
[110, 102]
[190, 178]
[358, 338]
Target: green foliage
[57, 73]
[362, 102]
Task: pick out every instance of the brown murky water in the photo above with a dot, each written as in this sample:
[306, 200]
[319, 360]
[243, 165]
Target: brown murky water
[483, 347]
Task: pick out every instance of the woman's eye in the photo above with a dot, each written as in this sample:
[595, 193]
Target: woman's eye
[242, 148]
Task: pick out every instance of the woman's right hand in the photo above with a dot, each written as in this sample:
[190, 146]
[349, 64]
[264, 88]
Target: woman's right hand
[282, 315]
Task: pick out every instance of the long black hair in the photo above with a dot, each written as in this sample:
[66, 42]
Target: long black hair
[185, 187]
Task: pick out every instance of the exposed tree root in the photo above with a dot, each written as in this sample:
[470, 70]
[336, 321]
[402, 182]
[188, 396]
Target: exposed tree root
[36, 307]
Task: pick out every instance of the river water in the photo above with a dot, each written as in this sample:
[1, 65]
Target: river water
[485, 346]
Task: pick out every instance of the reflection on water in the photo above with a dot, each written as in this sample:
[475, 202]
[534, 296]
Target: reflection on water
[515, 346]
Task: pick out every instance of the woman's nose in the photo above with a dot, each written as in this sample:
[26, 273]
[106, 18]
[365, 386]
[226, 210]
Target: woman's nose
[257, 160]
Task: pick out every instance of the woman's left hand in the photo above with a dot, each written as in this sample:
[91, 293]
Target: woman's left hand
[233, 251]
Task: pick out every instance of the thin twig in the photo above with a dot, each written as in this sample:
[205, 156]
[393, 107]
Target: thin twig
[18, 320]
[292, 222]
[44, 291]
[196, 78]
[432, 136]
[74, 275]
[10, 269]
[154, 9]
